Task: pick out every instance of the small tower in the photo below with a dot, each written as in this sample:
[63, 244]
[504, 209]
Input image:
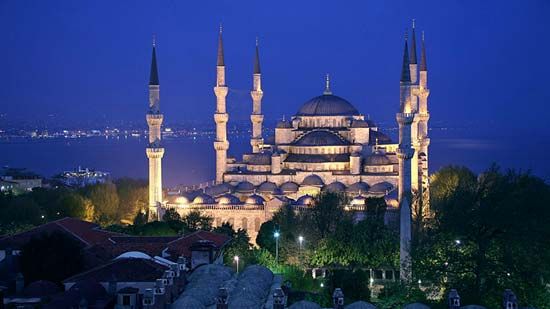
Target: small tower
[404, 153]
[221, 145]
[256, 117]
[154, 150]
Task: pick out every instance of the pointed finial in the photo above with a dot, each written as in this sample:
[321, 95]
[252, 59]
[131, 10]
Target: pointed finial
[221, 28]
[405, 71]
[423, 63]
[376, 144]
[327, 85]
[220, 61]
[283, 117]
[406, 34]
[413, 23]
[154, 40]
[257, 44]
[257, 59]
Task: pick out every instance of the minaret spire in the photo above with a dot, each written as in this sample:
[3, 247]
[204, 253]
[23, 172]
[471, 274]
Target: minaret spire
[413, 43]
[154, 75]
[327, 85]
[257, 69]
[405, 71]
[423, 63]
[220, 61]
[154, 150]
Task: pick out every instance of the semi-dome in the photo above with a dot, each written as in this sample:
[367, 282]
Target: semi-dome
[267, 187]
[381, 188]
[377, 158]
[289, 187]
[228, 199]
[313, 180]
[327, 105]
[203, 198]
[245, 187]
[320, 138]
[335, 187]
[358, 187]
[255, 199]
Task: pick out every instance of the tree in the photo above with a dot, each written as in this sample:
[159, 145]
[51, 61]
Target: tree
[171, 215]
[105, 200]
[195, 221]
[74, 205]
[53, 257]
[324, 217]
[133, 198]
[489, 233]
[21, 209]
[265, 239]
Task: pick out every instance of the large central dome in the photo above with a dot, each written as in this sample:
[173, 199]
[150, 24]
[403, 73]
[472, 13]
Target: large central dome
[327, 105]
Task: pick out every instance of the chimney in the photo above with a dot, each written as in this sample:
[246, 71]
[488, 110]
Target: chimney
[221, 299]
[19, 283]
[509, 300]
[338, 299]
[148, 300]
[454, 299]
[279, 299]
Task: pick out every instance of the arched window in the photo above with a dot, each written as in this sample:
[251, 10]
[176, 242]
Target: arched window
[231, 221]
[257, 224]
[244, 223]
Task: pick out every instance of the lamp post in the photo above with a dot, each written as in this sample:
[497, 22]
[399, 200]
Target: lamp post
[300, 241]
[236, 259]
[276, 235]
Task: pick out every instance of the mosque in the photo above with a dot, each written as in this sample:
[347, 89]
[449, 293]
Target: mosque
[328, 145]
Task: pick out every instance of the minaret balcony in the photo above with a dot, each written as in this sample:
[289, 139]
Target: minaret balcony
[154, 152]
[154, 119]
[405, 118]
[221, 117]
[256, 118]
[221, 145]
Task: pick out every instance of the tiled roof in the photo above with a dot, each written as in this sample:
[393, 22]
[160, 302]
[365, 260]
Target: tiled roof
[86, 233]
[182, 246]
[123, 270]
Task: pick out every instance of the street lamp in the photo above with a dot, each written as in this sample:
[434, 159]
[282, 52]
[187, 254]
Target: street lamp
[236, 259]
[276, 235]
[300, 240]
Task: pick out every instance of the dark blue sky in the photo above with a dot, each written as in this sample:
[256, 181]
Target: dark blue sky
[488, 60]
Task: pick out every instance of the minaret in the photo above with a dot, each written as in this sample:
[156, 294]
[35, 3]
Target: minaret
[257, 118]
[423, 117]
[404, 153]
[413, 67]
[154, 150]
[220, 116]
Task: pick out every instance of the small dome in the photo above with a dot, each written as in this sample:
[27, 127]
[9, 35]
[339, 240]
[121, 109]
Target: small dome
[391, 199]
[381, 188]
[358, 188]
[267, 187]
[181, 200]
[327, 105]
[377, 158]
[304, 304]
[245, 187]
[133, 255]
[284, 124]
[203, 198]
[335, 187]
[313, 180]
[278, 192]
[360, 305]
[228, 199]
[219, 189]
[320, 138]
[305, 200]
[377, 136]
[289, 187]
[255, 199]
[358, 200]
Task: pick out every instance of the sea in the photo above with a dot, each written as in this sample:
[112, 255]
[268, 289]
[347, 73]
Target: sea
[191, 160]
